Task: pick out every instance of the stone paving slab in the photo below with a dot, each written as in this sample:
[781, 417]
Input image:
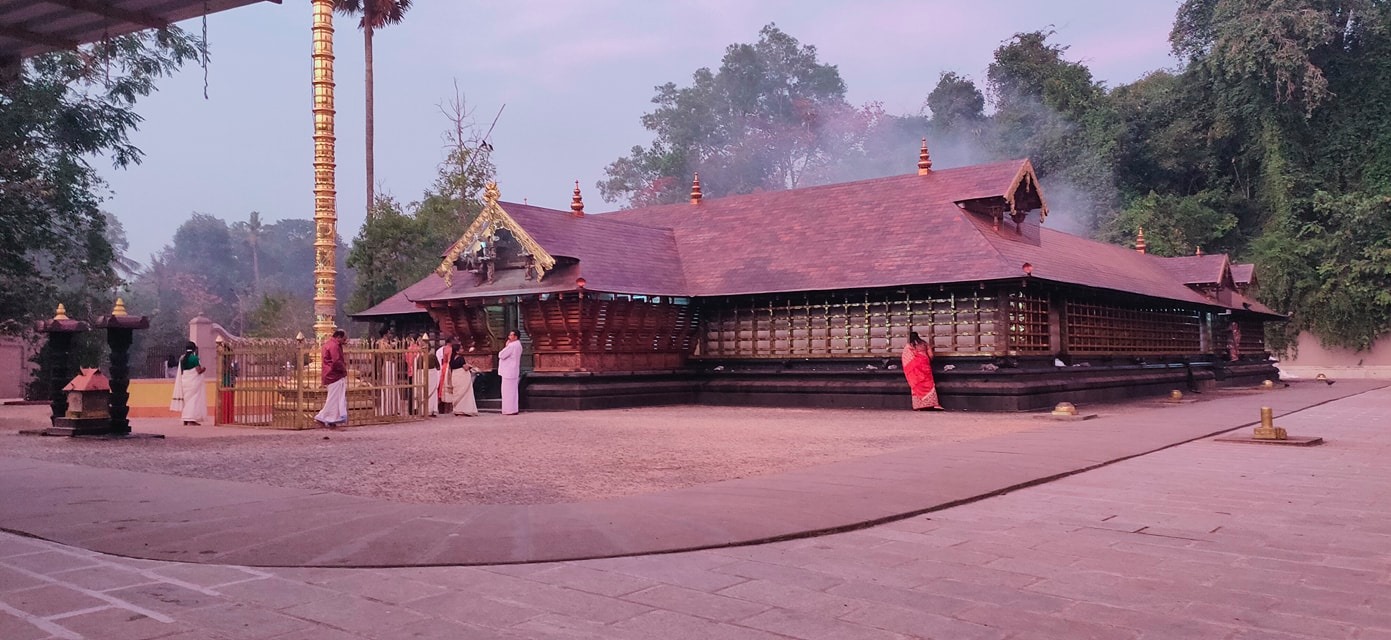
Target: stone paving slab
[1204, 540]
[145, 515]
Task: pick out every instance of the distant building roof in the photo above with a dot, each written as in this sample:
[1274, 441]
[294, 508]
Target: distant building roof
[1208, 269]
[1244, 273]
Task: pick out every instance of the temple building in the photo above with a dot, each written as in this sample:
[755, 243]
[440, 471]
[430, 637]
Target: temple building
[805, 297]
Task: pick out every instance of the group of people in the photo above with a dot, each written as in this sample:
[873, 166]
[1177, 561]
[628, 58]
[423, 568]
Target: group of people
[445, 373]
[448, 377]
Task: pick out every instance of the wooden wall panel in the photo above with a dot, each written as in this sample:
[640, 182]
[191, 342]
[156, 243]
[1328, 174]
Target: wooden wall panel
[608, 333]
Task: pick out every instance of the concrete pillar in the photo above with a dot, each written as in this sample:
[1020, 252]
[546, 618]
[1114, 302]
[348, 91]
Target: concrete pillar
[201, 333]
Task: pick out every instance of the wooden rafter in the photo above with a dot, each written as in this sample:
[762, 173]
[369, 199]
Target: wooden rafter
[35, 37]
[107, 10]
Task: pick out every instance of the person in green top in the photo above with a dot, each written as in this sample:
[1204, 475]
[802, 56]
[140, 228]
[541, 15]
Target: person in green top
[190, 398]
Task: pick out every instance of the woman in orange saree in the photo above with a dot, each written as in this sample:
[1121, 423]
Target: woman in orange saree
[917, 368]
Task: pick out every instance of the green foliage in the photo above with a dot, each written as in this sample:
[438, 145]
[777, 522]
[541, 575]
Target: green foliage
[1292, 98]
[1028, 70]
[374, 13]
[210, 268]
[1330, 263]
[280, 315]
[760, 122]
[1175, 225]
[956, 102]
[61, 110]
[1050, 110]
[1274, 47]
[384, 253]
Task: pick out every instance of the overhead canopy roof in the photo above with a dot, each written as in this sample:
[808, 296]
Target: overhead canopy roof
[32, 27]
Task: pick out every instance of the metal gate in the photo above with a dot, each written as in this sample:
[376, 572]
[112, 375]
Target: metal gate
[275, 383]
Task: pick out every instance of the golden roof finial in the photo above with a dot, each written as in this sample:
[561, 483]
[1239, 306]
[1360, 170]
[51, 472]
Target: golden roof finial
[924, 160]
[1140, 240]
[61, 313]
[491, 193]
[577, 202]
[695, 189]
[119, 311]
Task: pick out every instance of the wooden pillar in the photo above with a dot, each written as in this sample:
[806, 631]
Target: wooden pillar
[1057, 324]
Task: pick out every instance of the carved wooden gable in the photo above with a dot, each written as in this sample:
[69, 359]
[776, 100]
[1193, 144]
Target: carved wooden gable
[1021, 196]
[495, 242]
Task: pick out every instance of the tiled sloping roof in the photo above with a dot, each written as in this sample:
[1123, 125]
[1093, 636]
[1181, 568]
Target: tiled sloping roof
[872, 233]
[615, 256]
[1242, 302]
[1243, 273]
[883, 232]
[1063, 257]
[1205, 269]
[402, 303]
[506, 282]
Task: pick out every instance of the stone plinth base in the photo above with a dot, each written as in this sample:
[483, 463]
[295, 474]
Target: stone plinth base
[80, 427]
[94, 436]
[1292, 441]
[867, 384]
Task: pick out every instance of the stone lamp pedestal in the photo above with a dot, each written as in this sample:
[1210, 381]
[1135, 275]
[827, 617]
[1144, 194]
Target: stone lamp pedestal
[60, 330]
[120, 331]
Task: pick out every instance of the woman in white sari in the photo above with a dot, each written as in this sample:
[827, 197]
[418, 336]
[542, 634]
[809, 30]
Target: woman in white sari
[190, 396]
[458, 385]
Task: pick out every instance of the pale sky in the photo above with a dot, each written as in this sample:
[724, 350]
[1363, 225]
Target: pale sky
[575, 77]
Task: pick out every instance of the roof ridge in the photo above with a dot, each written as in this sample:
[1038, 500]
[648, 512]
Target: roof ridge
[706, 200]
[594, 216]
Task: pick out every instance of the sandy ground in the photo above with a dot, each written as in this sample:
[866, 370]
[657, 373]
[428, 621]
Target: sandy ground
[533, 458]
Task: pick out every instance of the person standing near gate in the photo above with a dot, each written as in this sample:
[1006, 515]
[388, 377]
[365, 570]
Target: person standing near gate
[335, 377]
[509, 366]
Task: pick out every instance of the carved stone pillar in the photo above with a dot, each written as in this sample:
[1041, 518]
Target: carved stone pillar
[60, 330]
[120, 331]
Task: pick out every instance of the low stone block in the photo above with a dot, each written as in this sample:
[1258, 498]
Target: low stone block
[1291, 441]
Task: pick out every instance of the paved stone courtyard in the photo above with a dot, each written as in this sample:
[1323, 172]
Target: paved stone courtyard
[537, 458]
[1201, 540]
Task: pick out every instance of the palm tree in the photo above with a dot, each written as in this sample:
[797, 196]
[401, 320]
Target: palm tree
[375, 15]
[253, 238]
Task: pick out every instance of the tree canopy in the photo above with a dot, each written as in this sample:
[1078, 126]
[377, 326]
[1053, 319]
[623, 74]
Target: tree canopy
[773, 116]
[63, 110]
[1270, 143]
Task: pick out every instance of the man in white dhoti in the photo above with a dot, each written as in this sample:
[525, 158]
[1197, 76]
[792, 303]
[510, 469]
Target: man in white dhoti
[509, 366]
[335, 377]
[190, 395]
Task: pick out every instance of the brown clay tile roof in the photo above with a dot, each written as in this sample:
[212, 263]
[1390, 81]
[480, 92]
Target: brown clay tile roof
[404, 301]
[615, 256]
[1063, 257]
[871, 233]
[1239, 302]
[1243, 273]
[883, 232]
[1204, 269]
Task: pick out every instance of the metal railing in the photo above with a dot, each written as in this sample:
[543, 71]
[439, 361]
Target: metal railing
[277, 384]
